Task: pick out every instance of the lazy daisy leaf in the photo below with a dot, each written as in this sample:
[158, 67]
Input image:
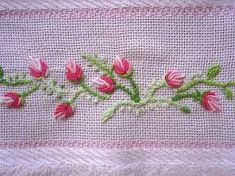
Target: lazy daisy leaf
[1, 72]
[185, 109]
[213, 71]
[228, 93]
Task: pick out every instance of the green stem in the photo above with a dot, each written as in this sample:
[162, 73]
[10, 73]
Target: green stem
[126, 90]
[154, 87]
[113, 109]
[78, 92]
[100, 65]
[169, 102]
[178, 97]
[15, 82]
[30, 91]
[137, 105]
[205, 81]
[93, 92]
[160, 100]
[136, 93]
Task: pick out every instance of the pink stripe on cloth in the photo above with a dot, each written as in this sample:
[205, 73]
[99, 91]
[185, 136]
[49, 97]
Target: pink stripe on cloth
[120, 12]
[116, 144]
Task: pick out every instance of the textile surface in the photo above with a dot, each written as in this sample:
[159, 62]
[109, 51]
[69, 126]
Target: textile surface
[69, 4]
[153, 43]
[154, 39]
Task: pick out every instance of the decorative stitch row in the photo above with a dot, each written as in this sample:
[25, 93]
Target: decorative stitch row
[120, 12]
[108, 82]
[117, 144]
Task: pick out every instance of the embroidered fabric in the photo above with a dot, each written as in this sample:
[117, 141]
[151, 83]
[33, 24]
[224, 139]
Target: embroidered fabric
[153, 43]
[154, 39]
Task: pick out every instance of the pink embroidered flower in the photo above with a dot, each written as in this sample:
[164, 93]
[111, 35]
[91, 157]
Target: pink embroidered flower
[211, 102]
[11, 100]
[121, 66]
[37, 68]
[73, 71]
[174, 79]
[104, 84]
[63, 111]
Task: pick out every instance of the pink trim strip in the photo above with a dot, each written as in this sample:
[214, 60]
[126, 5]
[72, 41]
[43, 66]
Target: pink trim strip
[120, 12]
[117, 144]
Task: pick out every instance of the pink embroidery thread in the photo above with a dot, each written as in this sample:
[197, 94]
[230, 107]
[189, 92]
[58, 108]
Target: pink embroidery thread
[37, 68]
[11, 100]
[63, 110]
[104, 84]
[121, 66]
[73, 71]
[174, 79]
[211, 102]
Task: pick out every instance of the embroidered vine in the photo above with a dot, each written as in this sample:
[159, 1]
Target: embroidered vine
[107, 83]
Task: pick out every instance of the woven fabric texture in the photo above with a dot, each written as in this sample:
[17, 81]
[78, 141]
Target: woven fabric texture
[153, 42]
[99, 162]
[68, 4]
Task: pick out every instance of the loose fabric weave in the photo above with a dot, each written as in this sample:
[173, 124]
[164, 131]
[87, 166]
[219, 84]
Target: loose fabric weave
[154, 39]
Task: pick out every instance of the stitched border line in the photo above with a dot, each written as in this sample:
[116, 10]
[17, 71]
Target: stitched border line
[117, 144]
[120, 12]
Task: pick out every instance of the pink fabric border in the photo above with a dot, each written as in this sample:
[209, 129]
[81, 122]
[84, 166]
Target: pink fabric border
[117, 144]
[120, 12]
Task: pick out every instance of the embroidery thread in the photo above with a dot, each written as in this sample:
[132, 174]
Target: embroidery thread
[107, 84]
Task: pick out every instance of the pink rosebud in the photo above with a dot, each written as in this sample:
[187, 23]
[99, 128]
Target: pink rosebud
[121, 66]
[11, 100]
[211, 102]
[63, 111]
[73, 71]
[37, 68]
[174, 79]
[104, 84]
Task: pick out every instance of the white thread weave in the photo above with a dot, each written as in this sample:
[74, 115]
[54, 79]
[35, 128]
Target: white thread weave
[95, 162]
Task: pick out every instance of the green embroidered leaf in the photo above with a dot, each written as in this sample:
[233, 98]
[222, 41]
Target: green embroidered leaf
[107, 115]
[1, 72]
[185, 109]
[213, 71]
[197, 95]
[176, 97]
[113, 109]
[228, 93]
[29, 91]
[99, 64]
